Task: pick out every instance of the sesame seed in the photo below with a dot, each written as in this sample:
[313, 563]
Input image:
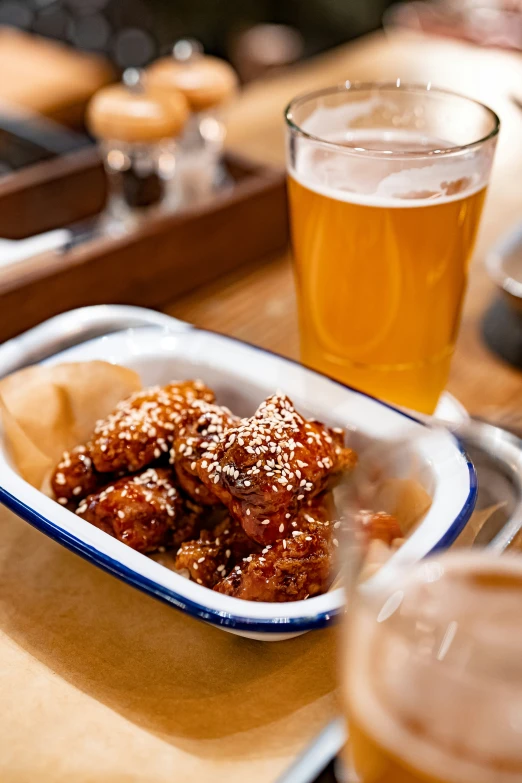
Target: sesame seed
[300, 497]
[284, 543]
[121, 514]
[335, 542]
[308, 538]
[228, 553]
[247, 483]
[281, 528]
[265, 522]
[337, 524]
[201, 559]
[62, 501]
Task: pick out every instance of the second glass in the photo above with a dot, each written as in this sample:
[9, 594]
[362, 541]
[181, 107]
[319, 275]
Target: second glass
[386, 188]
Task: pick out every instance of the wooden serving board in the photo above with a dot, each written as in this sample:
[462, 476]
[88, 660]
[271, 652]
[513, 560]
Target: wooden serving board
[165, 257]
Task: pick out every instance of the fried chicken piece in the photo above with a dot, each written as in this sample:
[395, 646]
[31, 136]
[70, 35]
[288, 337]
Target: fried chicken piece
[266, 467]
[143, 511]
[74, 477]
[216, 551]
[295, 568]
[142, 427]
[379, 526]
[199, 426]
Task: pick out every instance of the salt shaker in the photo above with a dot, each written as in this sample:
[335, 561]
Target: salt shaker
[207, 83]
[137, 127]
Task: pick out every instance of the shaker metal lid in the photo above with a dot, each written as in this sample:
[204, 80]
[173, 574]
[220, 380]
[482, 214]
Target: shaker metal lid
[136, 111]
[205, 81]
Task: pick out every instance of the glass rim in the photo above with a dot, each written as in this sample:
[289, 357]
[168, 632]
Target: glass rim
[349, 86]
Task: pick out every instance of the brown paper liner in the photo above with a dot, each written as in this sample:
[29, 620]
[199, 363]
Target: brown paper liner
[46, 410]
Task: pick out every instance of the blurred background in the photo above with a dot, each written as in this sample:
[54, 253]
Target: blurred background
[133, 32]
[256, 36]
[55, 55]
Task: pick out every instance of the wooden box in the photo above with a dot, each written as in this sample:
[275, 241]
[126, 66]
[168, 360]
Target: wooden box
[166, 257]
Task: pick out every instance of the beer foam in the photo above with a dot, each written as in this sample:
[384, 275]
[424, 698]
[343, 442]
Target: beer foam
[347, 173]
[452, 686]
[335, 119]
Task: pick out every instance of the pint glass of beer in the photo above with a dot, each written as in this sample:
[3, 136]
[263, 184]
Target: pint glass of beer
[386, 188]
[432, 672]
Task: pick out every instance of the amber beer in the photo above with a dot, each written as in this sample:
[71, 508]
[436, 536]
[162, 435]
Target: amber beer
[380, 289]
[433, 675]
[383, 227]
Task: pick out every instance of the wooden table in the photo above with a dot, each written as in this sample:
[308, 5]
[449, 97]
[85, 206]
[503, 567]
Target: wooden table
[258, 304]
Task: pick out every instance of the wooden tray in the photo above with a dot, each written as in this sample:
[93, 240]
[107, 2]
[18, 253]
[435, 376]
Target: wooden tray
[164, 258]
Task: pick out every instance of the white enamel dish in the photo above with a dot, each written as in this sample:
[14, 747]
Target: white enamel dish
[241, 376]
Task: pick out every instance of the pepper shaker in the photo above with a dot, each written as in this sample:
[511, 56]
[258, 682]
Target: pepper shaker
[208, 83]
[137, 127]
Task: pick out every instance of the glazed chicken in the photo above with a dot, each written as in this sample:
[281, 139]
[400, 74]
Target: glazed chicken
[297, 567]
[142, 428]
[215, 552]
[143, 511]
[265, 468]
[379, 526]
[247, 503]
[74, 477]
[199, 426]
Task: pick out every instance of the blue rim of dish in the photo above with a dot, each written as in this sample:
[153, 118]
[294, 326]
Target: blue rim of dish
[194, 609]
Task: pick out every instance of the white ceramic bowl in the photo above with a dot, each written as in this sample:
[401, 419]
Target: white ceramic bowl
[242, 376]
